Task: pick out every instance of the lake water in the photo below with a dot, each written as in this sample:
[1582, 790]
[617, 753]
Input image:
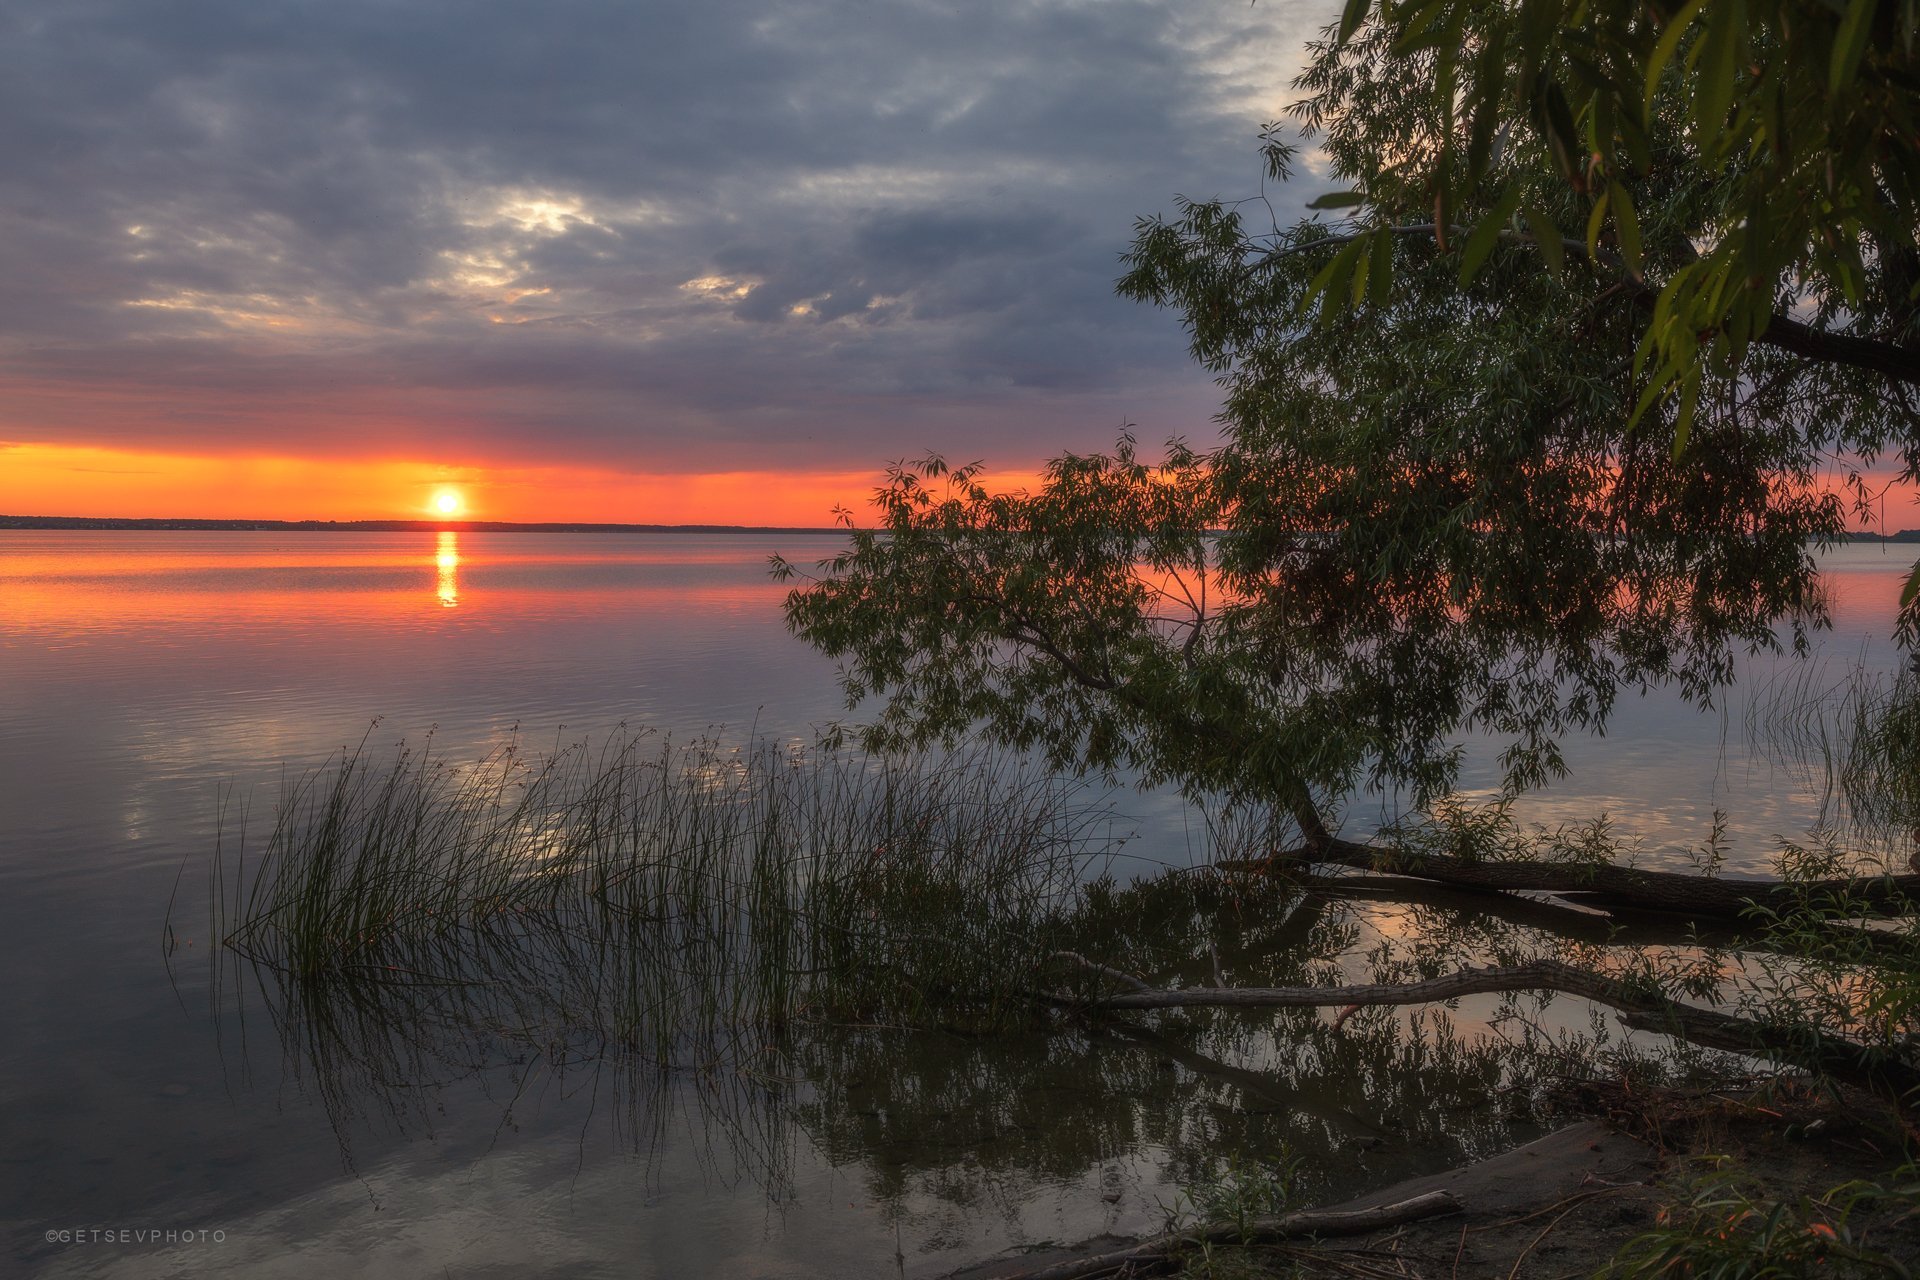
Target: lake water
[144, 676]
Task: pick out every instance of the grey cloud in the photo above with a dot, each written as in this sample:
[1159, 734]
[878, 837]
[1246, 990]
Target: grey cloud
[827, 232]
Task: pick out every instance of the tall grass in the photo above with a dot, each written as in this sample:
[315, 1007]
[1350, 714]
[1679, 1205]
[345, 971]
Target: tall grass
[672, 895]
[1854, 741]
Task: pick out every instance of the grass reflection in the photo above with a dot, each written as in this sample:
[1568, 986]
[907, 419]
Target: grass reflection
[770, 946]
[765, 944]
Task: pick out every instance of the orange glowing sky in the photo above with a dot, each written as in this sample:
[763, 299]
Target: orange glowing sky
[54, 480]
[688, 265]
[692, 264]
[69, 480]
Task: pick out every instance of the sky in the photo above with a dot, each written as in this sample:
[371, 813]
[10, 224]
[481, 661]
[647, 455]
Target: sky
[596, 260]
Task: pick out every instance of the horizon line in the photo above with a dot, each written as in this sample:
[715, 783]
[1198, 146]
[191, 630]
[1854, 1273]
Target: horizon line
[385, 525]
[219, 524]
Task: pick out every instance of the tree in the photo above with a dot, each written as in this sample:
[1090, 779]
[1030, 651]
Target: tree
[1802, 117]
[1444, 502]
[1474, 476]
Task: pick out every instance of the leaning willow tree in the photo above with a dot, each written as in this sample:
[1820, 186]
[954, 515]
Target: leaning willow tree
[1451, 494]
[1475, 474]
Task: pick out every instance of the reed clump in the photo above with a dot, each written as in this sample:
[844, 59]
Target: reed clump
[676, 893]
[1853, 738]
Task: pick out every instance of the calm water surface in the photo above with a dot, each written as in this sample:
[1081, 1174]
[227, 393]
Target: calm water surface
[145, 675]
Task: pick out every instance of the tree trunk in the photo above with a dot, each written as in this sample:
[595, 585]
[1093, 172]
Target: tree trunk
[1671, 892]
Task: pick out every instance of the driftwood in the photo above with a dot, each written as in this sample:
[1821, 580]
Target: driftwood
[1286, 1226]
[1609, 924]
[1647, 1010]
[1603, 884]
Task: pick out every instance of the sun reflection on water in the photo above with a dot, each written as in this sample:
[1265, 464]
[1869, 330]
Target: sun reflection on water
[446, 562]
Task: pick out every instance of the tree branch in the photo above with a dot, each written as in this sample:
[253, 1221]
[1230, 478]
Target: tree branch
[1833, 1056]
[1889, 359]
[1021, 629]
[1671, 892]
[1107, 971]
[1610, 924]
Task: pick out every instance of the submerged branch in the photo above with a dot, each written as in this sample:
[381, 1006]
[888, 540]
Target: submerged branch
[1124, 979]
[1647, 1009]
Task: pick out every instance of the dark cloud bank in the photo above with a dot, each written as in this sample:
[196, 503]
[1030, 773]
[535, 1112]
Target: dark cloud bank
[786, 234]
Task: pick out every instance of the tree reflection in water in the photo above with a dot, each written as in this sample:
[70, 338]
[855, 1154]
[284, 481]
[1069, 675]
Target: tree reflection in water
[968, 1112]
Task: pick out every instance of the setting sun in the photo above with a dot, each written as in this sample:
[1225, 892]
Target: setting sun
[447, 502]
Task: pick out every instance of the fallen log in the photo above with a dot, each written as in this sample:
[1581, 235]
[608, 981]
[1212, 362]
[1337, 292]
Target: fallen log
[1574, 916]
[1600, 884]
[1319, 1223]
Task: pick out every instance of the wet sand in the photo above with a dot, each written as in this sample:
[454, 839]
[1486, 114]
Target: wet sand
[1563, 1205]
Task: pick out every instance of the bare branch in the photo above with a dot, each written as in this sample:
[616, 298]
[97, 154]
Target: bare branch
[1125, 979]
[1671, 892]
[1647, 1009]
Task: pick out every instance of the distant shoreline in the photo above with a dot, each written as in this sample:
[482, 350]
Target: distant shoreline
[156, 524]
[159, 524]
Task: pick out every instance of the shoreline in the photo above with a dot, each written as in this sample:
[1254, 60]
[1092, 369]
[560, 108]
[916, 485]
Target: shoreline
[190, 524]
[1517, 1182]
[160, 524]
[1565, 1204]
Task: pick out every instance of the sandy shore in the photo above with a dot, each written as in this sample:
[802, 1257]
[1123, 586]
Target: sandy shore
[1563, 1205]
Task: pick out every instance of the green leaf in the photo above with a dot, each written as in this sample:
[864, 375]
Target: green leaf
[1446, 64]
[1641, 350]
[1595, 219]
[1719, 66]
[1417, 25]
[1663, 51]
[1331, 279]
[1547, 236]
[1380, 269]
[1849, 281]
[1663, 305]
[1772, 130]
[1351, 17]
[1911, 592]
[1683, 421]
[1538, 18]
[1626, 226]
[1563, 138]
[1489, 81]
[1601, 128]
[1339, 200]
[1486, 234]
[1849, 43]
[1633, 136]
[1652, 393]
